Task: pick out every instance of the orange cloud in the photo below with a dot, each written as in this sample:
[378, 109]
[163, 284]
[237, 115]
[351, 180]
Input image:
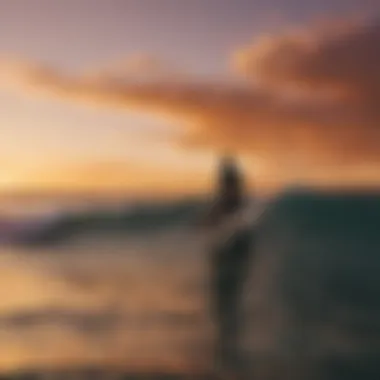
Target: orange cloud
[261, 119]
[343, 57]
[219, 115]
[137, 67]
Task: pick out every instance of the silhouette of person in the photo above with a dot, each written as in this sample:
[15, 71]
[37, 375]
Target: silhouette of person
[229, 259]
[229, 195]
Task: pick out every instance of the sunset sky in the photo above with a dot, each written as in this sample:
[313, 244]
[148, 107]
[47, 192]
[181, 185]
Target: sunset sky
[142, 95]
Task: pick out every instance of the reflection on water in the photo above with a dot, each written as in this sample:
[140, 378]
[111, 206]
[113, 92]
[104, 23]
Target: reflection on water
[133, 302]
[139, 299]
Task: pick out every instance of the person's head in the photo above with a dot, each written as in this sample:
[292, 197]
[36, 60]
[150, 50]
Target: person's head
[229, 172]
[230, 180]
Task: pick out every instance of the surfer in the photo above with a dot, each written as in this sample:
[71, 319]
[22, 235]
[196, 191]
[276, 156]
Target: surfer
[230, 253]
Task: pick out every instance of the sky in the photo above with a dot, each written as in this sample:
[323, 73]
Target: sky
[143, 95]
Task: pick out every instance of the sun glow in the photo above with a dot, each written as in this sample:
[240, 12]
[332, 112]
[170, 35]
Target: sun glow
[7, 180]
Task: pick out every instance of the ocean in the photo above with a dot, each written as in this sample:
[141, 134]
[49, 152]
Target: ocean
[130, 295]
[132, 292]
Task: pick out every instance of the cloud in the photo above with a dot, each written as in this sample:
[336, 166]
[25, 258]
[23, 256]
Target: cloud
[334, 122]
[340, 63]
[215, 114]
[341, 58]
[137, 67]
